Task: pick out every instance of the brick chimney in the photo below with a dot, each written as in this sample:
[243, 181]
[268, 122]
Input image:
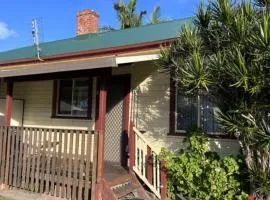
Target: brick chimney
[87, 22]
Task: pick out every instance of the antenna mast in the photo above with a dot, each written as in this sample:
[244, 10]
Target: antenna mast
[35, 34]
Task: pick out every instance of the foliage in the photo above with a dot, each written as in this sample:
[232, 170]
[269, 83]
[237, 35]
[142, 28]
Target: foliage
[129, 17]
[127, 14]
[227, 54]
[198, 173]
[155, 16]
[106, 29]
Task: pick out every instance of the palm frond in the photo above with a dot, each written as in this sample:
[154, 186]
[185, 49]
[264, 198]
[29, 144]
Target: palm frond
[155, 16]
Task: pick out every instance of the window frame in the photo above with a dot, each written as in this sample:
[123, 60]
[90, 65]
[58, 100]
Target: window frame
[56, 87]
[173, 116]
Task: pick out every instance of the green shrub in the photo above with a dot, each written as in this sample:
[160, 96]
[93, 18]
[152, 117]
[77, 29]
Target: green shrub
[198, 173]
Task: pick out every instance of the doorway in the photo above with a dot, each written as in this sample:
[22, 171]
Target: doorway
[116, 137]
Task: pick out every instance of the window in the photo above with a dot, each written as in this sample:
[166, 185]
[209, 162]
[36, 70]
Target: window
[192, 111]
[73, 98]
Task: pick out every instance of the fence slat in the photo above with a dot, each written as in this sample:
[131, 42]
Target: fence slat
[87, 166]
[8, 156]
[25, 150]
[20, 164]
[29, 158]
[48, 167]
[53, 162]
[75, 170]
[70, 154]
[12, 151]
[33, 165]
[1, 148]
[94, 166]
[59, 164]
[4, 160]
[43, 161]
[81, 164]
[2, 153]
[63, 190]
[39, 138]
[16, 152]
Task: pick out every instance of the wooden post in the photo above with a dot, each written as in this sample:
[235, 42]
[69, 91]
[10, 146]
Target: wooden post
[131, 148]
[149, 165]
[9, 99]
[101, 137]
[163, 181]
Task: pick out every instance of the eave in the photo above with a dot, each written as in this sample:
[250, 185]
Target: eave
[92, 53]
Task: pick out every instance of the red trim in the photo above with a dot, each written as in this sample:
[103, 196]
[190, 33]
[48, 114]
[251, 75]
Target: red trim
[107, 193]
[250, 197]
[149, 165]
[9, 100]
[101, 128]
[93, 53]
[102, 103]
[163, 181]
[172, 105]
[131, 148]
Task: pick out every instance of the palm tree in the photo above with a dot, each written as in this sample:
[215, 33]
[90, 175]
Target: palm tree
[127, 14]
[227, 56]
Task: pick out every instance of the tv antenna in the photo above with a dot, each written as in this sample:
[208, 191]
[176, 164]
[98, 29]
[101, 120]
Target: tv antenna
[35, 33]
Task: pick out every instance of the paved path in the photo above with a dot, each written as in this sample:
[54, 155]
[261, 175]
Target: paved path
[20, 195]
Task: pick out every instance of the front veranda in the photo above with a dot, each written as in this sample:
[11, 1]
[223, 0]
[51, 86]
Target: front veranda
[57, 146]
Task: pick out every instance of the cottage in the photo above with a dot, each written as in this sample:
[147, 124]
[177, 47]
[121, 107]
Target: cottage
[93, 111]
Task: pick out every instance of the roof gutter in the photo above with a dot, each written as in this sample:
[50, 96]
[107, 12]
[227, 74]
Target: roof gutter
[92, 53]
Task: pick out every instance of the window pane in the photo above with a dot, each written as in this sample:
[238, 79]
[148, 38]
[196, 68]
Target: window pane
[208, 111]
[80, 97]
[187, 112]
[65, 97]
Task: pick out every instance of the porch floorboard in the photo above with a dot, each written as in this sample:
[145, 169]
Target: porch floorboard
[113, 171]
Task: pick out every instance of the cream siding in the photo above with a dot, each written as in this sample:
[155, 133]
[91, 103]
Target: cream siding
[37, 98]
[150, 107]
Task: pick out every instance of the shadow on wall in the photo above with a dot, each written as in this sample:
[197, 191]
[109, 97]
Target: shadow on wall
[151, 98]
[151, 107]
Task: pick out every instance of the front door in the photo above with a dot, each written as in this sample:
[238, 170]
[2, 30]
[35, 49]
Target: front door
[115, 137]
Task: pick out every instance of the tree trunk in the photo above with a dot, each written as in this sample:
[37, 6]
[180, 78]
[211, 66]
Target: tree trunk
[268, 197]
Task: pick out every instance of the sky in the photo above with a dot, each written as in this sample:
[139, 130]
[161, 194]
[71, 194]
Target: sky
[57, 18]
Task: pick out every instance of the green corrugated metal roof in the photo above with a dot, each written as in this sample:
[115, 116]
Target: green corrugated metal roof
[147, 33]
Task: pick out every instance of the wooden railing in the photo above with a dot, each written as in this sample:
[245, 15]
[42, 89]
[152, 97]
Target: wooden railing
[145, 163]
[56, 162]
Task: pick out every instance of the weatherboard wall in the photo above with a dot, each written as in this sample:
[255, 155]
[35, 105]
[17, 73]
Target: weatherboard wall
[37, 98]
[150, 107]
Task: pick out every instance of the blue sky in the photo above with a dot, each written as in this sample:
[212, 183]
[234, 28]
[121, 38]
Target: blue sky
[57, 18]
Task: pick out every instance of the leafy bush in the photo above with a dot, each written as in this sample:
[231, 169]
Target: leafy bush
[198, 173]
